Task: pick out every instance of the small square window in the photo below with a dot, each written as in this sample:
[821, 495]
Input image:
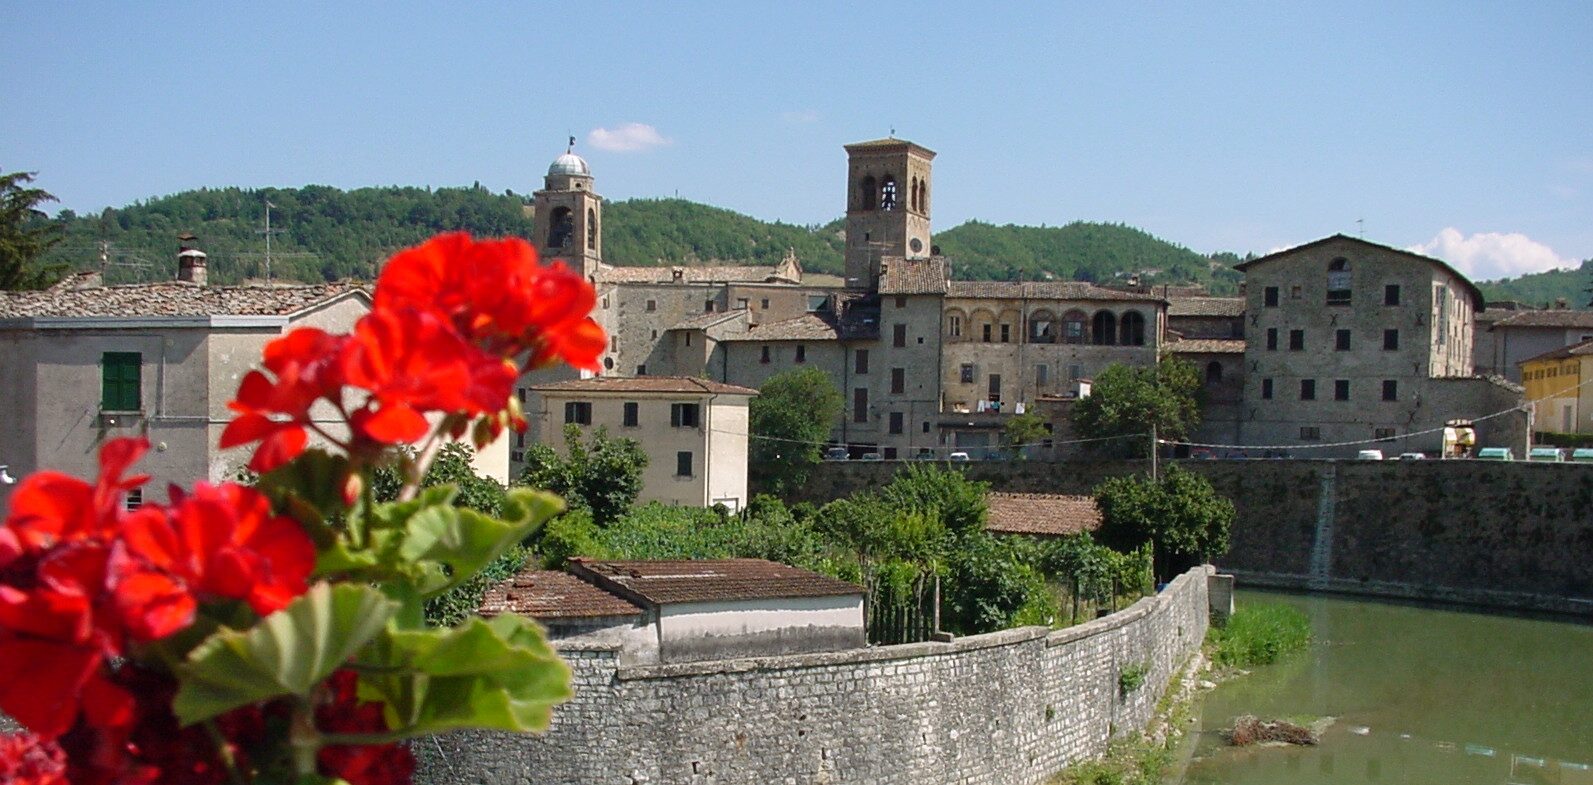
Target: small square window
[986, 333]
[1042, 374]
[898, 381]
[1310, 433]
[578, 412]
[708, 306]
[652, 305]
[1266, 389]
[120, 381]
[1294, 292]
[966, 375]
[1390, 390]
[1341, 340]
[1391, 340]
[763, 356]
[632, 414]
[896, 422]
[1384, 434]
[860, 361]
[890, 454]
[683, 463]
[1272, 339]
[926, 426]
[641, 370]
[1270, 297]
[899, 335]
[860, 404]
[1296, 340]
[1341, 389]
[1006, 333]
[1307, 389]
[801, 353]
[133, 500]
[742, 303]
[901, 301]
[764, 303]
[1391, 294]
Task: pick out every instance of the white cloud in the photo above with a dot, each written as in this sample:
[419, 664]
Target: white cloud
[626, 138]
[800, 117]
[1486, 256]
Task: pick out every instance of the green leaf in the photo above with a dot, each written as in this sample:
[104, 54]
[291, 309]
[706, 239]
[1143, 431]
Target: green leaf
[497, 674]
[309, 489]
[466, 540]
[286, 653]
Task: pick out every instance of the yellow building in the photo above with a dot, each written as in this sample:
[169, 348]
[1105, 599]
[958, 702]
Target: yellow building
[1561, 384]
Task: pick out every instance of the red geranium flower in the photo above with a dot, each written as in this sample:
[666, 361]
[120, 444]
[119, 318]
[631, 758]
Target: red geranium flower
[306, 366]
[221, 541]
[26, 759]
[359, 764]
[50, 507]
[412, 363]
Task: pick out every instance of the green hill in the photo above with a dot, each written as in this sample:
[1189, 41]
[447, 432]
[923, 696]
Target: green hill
[1544, 288]
[322, 233]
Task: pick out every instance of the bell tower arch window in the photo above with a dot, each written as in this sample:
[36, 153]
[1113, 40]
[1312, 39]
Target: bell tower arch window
[867, 192]
[560, 228]
[887, 193]
[591, 229]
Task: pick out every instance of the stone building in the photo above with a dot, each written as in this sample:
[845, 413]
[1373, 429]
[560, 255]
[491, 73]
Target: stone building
[1349, 340]
[694, 431]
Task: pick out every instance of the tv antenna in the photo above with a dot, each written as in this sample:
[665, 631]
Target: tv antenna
[268, 232]
[1360, 227]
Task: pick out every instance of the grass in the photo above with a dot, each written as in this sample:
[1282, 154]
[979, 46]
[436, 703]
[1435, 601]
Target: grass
[1259, 635]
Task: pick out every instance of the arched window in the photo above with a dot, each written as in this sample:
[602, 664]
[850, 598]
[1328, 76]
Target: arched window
[591, 229]
[560, 228]
[1103, 329]
[1073, 326]
[1338, 283]
[1133, 329]
[912, 195]
[887, 193]
[1214, 372]
[923, 196]
[867, 192]
[1042, 327]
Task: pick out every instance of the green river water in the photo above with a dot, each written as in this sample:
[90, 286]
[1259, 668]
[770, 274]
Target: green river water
[1419, 695]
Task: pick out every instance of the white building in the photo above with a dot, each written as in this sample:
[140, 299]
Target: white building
[694, 431]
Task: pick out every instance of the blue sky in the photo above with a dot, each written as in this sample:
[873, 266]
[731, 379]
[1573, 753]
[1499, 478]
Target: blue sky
[1464, 130]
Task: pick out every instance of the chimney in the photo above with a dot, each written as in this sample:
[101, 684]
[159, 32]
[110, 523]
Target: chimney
[190, 260]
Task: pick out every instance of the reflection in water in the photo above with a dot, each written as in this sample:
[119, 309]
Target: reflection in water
[1418, 695]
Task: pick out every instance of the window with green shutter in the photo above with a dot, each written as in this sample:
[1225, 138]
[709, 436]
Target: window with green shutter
[119, 386]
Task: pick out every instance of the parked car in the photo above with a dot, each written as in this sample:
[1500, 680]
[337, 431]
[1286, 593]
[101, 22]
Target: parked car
[871, 456]
[1413, 456]
[924, 454]
[835, 454]
[1495, 454]
[957, 456]
[1582, 455]
[1546, 454]
[1369, 455]
[1202, 454]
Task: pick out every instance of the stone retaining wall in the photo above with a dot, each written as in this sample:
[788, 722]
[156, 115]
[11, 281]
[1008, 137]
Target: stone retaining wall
[1007, 708]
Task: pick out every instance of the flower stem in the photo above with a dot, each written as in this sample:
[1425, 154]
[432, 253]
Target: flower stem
[303, 738]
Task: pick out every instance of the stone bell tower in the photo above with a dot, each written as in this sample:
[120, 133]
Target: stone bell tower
[887, 206]
[568, 222]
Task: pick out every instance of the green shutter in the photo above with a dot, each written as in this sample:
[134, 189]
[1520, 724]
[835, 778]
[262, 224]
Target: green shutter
[119, 381]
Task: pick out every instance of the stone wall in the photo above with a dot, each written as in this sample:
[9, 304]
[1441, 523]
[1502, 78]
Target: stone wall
[1512, 535]
[1007, 708]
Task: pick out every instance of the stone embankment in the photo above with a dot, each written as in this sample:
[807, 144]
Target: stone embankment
[1511, 535]
[1006, 708]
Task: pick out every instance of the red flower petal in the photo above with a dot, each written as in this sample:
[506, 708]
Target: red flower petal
[40, 683]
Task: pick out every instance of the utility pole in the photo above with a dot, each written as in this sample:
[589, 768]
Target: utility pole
[268, 232]
[1154, 474]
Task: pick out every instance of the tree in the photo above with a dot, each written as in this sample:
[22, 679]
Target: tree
[1181, 515]
[602, 474]
[790, 420]
[1025, 430]
[1127, 400]
[25, 233]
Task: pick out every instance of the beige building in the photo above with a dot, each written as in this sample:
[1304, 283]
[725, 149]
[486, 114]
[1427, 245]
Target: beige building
[81, 363]
[1348, 340]
[1514, 336]
[1559, 382]
[694, 431]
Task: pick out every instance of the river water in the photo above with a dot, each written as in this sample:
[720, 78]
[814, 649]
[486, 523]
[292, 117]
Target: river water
[1419, 695]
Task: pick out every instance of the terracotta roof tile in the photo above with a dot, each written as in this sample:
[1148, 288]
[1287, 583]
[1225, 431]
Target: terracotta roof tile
[1206, 346]
[705, 320]
[914, 276]
[169, 298]
[646, 384]
[807, 327]
[549, 594]
[691, 274]
[706, 580]
[1045, 514]
[1555, 318]
[1045, 290]
[1206, 306]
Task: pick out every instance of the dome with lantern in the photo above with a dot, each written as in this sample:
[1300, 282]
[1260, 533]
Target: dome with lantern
[569, 164]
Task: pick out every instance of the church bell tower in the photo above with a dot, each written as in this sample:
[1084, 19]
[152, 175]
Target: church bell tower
[568, 220]
[887, 206]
